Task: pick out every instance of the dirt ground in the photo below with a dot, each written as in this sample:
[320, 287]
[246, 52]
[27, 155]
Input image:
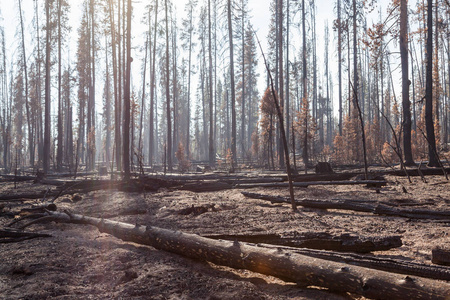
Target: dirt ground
[79, 262]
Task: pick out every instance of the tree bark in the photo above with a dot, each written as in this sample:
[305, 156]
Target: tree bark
[293, 267]
[405, 83]
[432, 159]
[115, 79]
[46, 152]
[27, 105]
[126, 102]
[212, 158]
[169, 121]
[340, 64]
[152, 91]
[233, 90]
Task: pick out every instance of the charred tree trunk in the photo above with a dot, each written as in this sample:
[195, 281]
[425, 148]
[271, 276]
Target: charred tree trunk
[126, 102]
[115, 79]
[432, 158]
[27, 106]
[212, 158]
[169, 121]
[46, 153]
[233, 90]
[405, 83]
[152, 92]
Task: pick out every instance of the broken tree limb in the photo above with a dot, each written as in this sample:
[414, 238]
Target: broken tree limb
[304, 270]
[10, 235]
[320, 240]
[306, 184]
[353, 205]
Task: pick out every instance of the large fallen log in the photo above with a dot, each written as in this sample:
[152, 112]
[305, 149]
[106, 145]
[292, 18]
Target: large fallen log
[319, 240]
[380, 263]
[376, 183]
[304, 270]
[353, 205]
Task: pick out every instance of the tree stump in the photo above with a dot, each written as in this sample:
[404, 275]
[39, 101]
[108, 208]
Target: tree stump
[324, 168]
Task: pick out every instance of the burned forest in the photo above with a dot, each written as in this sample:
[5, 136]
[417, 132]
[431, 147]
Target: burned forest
[219, 149]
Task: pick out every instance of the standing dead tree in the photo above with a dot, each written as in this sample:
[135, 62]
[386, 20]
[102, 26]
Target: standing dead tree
[283, 132]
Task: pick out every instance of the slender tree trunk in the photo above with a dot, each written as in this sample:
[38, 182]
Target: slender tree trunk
[432, 159]
[119, 142]
[355, 54]
[233, 91]
[340, 65]
[169, 121]
[152, 91]
[280, 78]
[107, 107]
[59, 154]
[39, 136]
[27, 106]
[117, 139]
[126, 102]
[188, 129]
[92, 90]
[305, 89]
[46, 152]
[287, 93]
[405, 83]
[141, 121]
[211, 97]
[174, 90]
[243, 79]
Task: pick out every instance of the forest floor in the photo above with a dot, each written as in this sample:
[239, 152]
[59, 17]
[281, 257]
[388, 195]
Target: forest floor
[79, 262]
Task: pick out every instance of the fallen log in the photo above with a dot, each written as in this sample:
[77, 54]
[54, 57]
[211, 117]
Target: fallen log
[417, 172]
[381, 209]
[321, 204]
[374, 262]
[206, 186]
[10, 235]
[375, 183]
[353, 205]
[16, 178]
[319, 240]
[294, 267]
[440, 256]
[26, 196]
